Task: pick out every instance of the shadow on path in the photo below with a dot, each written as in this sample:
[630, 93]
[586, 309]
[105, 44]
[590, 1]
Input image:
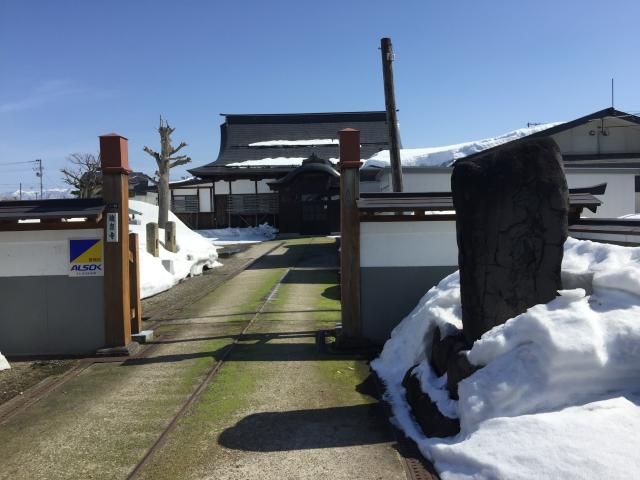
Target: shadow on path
[308, 429]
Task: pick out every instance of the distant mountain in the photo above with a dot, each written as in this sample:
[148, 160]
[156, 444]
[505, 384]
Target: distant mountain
[47, 193]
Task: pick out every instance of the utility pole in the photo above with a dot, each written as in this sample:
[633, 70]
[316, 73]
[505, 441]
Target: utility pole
[392, 118]
[20, 190]
[39, 174]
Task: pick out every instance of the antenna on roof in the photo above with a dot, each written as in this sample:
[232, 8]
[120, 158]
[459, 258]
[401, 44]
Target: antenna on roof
[612, 93]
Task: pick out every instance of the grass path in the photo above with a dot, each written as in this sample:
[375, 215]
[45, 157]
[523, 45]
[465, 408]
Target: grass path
[280, 409]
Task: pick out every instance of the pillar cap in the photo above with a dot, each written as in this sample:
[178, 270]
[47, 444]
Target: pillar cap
[114, 153]
[349, 148]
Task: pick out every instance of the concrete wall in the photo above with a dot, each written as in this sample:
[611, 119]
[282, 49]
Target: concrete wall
[400, 262]
[42, 309]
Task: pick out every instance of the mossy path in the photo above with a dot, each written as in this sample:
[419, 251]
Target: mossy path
[278, 408]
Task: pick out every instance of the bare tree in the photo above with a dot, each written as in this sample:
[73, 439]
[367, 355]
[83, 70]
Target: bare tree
[84, 174]
[166, 161]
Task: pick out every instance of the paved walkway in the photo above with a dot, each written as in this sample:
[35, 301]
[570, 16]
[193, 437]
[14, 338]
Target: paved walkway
[277, 408]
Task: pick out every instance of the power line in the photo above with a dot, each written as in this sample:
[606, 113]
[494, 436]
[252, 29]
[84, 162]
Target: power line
[16, 163]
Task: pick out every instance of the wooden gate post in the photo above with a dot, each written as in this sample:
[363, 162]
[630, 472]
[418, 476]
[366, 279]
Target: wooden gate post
[115, 192]
[134, 284]
[350, 232]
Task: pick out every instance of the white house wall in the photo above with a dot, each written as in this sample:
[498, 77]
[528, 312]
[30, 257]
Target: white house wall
[222, 188]
[622, 137]
[263, 186]
[243, 187]
[204, 195]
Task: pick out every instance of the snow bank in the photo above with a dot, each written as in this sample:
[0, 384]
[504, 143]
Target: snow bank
[194, 253]
[446, 155]
[4, 365]
[228, 236]
[557, 396]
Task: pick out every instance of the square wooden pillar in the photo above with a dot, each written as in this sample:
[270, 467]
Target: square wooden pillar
[115, 192]
[350, 233]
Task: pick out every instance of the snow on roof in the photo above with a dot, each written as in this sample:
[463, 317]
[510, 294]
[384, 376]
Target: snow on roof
[274, 162]
[280, 143]
[446, 155]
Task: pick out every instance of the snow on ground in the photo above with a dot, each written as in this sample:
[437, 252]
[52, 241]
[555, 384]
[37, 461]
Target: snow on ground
[3, 363]
[280, 143]
[275, 162]
[446, 155]
[558, 393]
[194, 252]
[230, 236]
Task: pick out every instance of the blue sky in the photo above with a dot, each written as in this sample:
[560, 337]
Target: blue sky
[72, 70]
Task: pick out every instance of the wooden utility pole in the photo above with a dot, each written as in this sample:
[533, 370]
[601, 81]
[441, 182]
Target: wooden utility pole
[350, 233]
[114, 160]
[392, 118]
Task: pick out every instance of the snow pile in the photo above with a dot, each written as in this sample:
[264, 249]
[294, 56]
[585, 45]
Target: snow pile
[229, 236]
[557, 396]
[4, 365]
[194, 252]
[286, 143]
[445, 156]
[275, 162]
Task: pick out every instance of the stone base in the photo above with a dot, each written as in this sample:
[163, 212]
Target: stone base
[145, 336]
[123, 351]
[432, 422]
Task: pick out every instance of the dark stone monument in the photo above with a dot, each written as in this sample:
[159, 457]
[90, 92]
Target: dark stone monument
[511, 214]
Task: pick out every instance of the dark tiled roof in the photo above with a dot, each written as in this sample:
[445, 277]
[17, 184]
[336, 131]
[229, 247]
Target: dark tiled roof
[239, 131]
[63, 208]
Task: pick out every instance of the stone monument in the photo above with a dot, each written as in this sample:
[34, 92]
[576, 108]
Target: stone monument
[511, 218]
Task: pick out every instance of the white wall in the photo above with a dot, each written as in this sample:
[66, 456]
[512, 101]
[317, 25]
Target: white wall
[184, 191]
[435, 180]
[243, 187]
[623, 137]
[263, 186]
[39, 252]
[205, 199]
[408, 244]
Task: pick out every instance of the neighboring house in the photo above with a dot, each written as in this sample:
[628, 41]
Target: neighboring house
[142, 187]
[601, 147]
[257, 151]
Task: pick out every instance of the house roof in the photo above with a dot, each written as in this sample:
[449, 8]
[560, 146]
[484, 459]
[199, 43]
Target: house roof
[294, 136]
[312, 164]
[581, 160]
[443, 201]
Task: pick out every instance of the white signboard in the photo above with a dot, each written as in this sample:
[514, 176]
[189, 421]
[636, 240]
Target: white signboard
[112, 227]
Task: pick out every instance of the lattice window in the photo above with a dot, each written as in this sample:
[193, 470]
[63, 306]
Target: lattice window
[251, 204]
[185, 204]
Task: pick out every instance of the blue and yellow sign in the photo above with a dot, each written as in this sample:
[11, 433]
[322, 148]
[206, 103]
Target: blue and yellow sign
[85, 258]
